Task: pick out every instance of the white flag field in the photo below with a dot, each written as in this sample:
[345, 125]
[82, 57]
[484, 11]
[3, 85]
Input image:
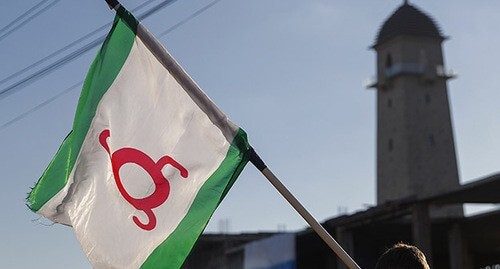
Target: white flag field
[148, 160]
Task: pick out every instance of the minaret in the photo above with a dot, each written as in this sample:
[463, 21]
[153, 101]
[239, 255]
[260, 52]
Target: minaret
[415, 147]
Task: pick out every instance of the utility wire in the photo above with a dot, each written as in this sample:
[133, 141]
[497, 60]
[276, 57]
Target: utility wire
[192, 16]
[52, 55]
[76, 86]
[29, 19]
[41, 105]
[65, 48]
[64, 60]
[48, 69]
[20, 17]
[155, 9]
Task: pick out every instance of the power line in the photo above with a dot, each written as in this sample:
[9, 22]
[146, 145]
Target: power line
[52, 55]
[20, 17]
[39, 106]
[192, 16]
[29, 19]
[65, 48]
[48, 69]
[155, 9]
[75, 86]
[75, 54]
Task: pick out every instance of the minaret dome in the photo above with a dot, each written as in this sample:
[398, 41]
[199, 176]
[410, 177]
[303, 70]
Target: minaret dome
[408, 20]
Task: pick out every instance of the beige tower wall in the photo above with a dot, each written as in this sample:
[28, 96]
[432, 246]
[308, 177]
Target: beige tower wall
[415, 147]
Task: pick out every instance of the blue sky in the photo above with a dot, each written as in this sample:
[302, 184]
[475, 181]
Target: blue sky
[289, 72]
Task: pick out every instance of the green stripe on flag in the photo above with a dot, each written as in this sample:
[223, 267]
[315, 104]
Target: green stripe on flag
[174, 250]
[102, 73]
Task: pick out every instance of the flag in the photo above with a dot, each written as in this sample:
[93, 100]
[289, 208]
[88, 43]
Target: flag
[148, 160]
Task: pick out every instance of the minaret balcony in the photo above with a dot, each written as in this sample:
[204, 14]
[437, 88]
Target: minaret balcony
[428, 74]
[441, 72]
[404, 68]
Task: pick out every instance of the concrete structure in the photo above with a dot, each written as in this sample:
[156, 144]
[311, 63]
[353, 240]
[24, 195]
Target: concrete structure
[415, 146]
[453, 242]
[220, 251]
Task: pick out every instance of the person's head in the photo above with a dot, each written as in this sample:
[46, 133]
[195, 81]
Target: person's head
[402, 256]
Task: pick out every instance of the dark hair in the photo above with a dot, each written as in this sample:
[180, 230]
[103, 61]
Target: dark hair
[402, 256]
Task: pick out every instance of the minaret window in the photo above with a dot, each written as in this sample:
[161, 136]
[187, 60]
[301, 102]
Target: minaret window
[390, 144]
[427, 98]
[432, 142]
[389, 102]
[388, 61]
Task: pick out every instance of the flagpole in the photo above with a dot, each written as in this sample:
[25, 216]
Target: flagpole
[113, 4]
[315, 225]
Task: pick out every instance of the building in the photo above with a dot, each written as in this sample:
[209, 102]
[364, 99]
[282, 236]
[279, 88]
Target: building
[415, 145]
[419, 197]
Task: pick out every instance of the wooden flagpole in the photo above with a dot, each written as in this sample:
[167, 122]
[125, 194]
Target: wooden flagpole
[315, 225]
[113, 4]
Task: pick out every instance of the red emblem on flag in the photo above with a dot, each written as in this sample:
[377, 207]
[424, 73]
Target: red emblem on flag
[162, 186]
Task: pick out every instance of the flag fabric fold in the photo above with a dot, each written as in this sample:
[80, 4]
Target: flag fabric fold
[148, 160]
